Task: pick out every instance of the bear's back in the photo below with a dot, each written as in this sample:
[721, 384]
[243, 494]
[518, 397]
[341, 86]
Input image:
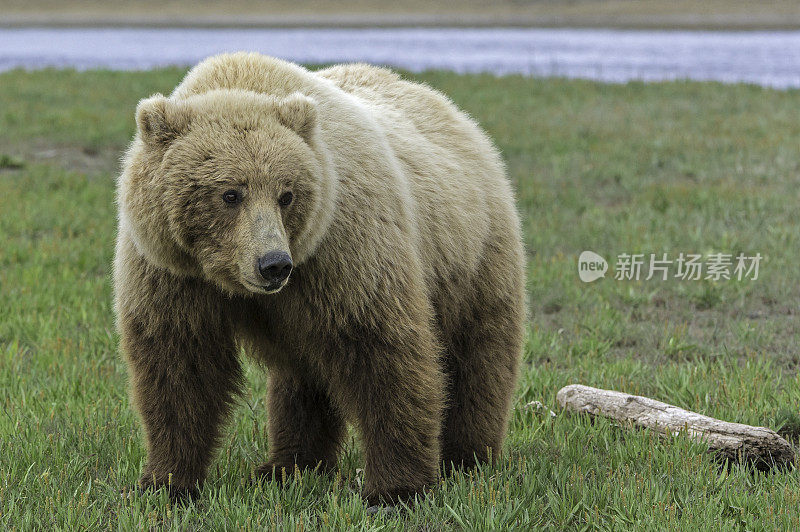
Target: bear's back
[418, 109]
[463, 199]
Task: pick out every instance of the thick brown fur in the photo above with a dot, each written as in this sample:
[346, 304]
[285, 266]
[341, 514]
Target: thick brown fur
[405, 309]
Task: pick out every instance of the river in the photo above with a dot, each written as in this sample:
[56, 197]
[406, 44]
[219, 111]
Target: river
[765, 58]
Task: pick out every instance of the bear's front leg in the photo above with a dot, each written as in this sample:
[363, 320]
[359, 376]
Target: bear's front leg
[183, 372]
[395, 387]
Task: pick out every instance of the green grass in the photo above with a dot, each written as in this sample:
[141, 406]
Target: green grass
[637, 168]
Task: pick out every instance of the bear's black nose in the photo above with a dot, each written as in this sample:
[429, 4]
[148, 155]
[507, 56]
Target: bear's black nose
[275, 266]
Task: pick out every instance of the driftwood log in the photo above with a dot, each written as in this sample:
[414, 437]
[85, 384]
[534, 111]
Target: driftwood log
[733, 442]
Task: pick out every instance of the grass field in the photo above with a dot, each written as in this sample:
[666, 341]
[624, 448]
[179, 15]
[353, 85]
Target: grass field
[637, 168]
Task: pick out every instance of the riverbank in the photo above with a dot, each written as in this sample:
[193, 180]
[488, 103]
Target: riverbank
[643, 14]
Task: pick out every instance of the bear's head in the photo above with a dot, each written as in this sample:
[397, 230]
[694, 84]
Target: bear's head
[232, 186]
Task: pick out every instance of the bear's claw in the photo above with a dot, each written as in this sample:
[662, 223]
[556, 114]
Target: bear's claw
[176, 495]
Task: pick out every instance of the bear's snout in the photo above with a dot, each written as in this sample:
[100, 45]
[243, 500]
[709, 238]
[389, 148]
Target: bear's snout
[274, 267]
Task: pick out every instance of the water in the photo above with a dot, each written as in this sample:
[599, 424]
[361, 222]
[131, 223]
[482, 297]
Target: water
[765, 58]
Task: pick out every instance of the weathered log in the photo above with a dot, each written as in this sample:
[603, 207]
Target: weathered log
[733, 442]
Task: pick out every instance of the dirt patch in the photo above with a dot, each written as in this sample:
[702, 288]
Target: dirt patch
[81, 159]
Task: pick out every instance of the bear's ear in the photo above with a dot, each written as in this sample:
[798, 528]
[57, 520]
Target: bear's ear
[298, 112]
[160, 121]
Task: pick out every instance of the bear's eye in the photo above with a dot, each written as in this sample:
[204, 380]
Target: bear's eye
[285, 199]
[231, 196]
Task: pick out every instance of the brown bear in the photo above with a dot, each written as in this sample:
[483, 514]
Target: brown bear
[353, 231]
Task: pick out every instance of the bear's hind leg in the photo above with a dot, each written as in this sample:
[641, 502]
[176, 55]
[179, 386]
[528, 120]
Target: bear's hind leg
[394, 389]
[482, 363]
[305, 429]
